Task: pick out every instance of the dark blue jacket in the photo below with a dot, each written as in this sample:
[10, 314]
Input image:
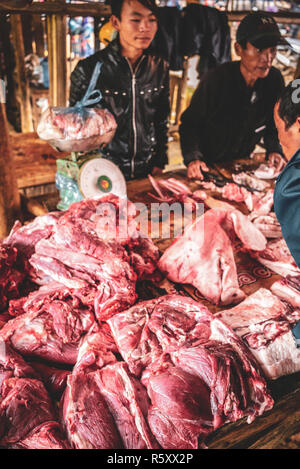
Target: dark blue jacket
[287, 205]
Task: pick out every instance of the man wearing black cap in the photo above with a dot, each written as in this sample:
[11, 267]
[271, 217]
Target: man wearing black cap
[232, 108]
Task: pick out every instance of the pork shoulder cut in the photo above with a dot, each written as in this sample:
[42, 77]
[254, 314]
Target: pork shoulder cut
[203, 256]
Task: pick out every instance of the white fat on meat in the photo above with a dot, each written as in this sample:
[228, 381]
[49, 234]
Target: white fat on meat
[286, 292]
[264, 322]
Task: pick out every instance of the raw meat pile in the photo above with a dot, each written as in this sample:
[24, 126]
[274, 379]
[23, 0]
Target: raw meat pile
[76, 129]
[184, 374]
[61, 276]
[83, 275]
[84, 364]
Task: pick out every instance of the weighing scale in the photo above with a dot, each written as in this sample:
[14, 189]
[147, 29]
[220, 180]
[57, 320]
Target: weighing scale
[87, 175]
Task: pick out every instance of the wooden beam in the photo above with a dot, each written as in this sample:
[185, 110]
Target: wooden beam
[59, 8]
[9, 195]
[23, 85]
[57, 47]
[89, 9]
[284, 17]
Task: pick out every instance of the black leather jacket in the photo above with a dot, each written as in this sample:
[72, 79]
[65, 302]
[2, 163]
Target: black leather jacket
[138, 99]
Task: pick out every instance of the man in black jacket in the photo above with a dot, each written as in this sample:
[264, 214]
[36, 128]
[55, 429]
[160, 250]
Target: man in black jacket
[232, 108]
[135, 88]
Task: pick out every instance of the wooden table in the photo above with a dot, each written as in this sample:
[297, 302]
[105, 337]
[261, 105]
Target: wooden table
[277, 427]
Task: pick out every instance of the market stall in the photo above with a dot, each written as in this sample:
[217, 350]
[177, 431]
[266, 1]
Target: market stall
[158, 313]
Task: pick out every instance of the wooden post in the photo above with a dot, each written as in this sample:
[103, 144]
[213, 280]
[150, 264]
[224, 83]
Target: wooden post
[9, 195]
[38, 35]
[57, 47]
[27, 32]
[182, 91]
[23, 85]
[297, 73]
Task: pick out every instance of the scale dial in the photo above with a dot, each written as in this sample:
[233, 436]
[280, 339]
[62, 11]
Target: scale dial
[99, 177]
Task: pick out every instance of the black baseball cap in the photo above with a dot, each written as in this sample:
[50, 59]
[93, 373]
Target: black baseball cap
[261, 30]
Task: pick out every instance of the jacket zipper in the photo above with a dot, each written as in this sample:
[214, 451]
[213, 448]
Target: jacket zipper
[133, 83]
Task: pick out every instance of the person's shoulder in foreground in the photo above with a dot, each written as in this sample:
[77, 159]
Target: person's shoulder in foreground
[287, 189]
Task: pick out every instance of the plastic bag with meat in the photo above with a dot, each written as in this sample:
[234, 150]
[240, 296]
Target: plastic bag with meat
[78, 128]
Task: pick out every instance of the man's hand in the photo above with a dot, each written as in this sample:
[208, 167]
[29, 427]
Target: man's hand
[195, 168]
[277, 161]
[156, 171]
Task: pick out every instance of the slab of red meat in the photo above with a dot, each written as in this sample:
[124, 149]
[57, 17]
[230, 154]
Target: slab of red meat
[146, 329]
[110, 217]
[106, 409]
[15, 251]
[27, 418]
[113, 220]
[232, 191]
[277, 257]
[156, 333]
[220, 368]
[86, 416]
[52, 324]
[203, 255]
[180, 413]
[129, 404]
[24, 238]
[264, 323]
[125, 397]
[96, 349]
[46, 436]
[78, 259]
[80, 253]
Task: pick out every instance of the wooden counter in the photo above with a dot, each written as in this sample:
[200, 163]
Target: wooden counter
[35, 160]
